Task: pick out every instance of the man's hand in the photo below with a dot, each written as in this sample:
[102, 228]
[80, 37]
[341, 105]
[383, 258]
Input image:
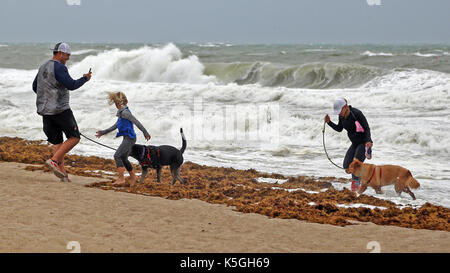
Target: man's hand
[369, 144]
[147, 137]
[327, 118]
[98, 134]
[88, 75]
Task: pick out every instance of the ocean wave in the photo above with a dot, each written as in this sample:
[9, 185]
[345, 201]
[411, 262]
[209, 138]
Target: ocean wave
[145, 64]
[310, 75]
[425, 55]
[372, 54]
[410, 80]
[320, 50]
[167, 64]
[84, 51]
[213, 45]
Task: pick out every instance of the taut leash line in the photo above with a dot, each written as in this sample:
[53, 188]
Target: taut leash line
[98, 143]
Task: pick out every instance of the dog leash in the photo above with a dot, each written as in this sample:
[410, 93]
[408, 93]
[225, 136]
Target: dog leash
[98, 142]
[323, 141]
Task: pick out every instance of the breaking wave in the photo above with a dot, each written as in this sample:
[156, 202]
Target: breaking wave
[310, 75]
[145, 64]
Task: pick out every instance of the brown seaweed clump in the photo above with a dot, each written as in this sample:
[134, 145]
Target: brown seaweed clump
[239, 188]
[34, 152]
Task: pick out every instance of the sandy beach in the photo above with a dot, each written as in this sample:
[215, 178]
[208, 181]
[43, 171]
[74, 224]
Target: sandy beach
[41, 214]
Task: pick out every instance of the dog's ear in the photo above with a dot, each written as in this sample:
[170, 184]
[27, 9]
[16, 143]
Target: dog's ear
[350, 167]
[355, 164]
[356, 160]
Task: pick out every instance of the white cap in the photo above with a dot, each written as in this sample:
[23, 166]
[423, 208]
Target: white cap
[63, 47]
[338, 104]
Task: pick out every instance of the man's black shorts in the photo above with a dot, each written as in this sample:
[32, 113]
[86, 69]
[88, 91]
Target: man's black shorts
[55, 125]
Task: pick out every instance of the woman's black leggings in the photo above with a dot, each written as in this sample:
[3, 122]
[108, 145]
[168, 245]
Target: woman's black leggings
[355, 150]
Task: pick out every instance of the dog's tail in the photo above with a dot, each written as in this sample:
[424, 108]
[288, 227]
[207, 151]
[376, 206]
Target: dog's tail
[412, 182]
[183, 147]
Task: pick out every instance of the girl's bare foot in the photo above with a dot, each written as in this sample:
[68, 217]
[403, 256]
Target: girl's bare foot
[119, 182]
[132, 180]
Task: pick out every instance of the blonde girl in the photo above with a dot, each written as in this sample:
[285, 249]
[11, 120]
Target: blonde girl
[125, 128]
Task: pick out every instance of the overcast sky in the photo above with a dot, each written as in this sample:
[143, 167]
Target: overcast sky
[230, 21]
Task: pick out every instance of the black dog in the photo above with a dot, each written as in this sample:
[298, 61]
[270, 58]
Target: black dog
[158, 156]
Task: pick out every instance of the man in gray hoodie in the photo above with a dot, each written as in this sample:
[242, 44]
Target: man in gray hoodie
[51, 85]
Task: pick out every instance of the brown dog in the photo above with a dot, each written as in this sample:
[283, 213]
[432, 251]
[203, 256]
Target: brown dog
[378, 176]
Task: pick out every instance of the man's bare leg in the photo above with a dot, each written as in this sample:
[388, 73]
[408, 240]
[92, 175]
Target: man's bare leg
[55, 148]
[61, 163]
[62, 149]
[59, 151]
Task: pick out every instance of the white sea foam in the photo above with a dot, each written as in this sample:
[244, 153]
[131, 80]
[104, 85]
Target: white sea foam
[359, 205]
[210, 44]
[424, 55]
[294, 190]
[372, 54]
[271, 180]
